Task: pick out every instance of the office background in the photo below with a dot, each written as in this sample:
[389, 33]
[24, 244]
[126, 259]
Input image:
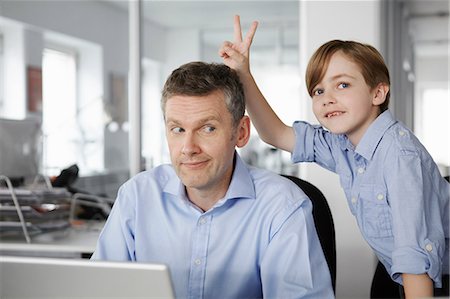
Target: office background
[80, 51]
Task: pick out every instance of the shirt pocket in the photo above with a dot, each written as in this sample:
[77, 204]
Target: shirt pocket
[377, 220]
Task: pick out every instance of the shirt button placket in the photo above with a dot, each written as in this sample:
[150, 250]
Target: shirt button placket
[200, 238]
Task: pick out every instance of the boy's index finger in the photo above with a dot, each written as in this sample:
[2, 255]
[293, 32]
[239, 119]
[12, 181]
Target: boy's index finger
[237, 29]
[251, 33]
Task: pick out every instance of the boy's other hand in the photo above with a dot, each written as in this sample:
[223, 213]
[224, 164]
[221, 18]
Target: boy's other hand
[236, 54]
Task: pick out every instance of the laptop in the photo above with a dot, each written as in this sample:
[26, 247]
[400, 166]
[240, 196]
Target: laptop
[27, 277]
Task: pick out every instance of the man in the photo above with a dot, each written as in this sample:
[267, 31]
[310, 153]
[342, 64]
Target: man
[226, 230]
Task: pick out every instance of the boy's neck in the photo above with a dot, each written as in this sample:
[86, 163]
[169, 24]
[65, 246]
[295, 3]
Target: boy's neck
[356, 137]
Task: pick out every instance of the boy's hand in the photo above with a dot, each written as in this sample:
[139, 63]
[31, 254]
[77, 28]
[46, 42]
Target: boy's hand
[236, 54]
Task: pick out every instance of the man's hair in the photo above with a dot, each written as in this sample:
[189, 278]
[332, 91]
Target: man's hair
[201, 79]
[369, 60]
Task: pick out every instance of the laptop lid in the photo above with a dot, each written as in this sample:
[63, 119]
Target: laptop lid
[25, 277]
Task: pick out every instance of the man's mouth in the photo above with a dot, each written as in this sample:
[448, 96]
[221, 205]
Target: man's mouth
[194, 164]
[334, 113]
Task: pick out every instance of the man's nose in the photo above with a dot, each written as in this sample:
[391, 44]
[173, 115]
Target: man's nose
[190, 145]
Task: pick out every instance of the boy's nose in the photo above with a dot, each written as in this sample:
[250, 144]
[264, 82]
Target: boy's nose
[329, 99]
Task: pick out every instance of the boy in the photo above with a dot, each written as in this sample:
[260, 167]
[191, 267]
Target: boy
[392, 185]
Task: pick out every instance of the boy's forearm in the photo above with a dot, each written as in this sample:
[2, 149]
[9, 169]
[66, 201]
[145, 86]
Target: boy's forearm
[270, 128]
[417, 286]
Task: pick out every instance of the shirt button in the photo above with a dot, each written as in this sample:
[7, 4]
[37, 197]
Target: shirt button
[354, 199]
[360, 170]
[380, 196]
[202, 221]
[197, 262]
[429, 247]
[401, 133]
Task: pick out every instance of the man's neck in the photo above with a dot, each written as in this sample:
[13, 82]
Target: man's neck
[205, 199]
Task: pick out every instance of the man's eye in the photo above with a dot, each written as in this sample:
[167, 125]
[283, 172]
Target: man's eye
[343, 85]
[317, 92]
[209, 129]
[177, 130]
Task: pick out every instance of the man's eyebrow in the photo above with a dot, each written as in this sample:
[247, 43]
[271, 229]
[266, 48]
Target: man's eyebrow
[200, 121]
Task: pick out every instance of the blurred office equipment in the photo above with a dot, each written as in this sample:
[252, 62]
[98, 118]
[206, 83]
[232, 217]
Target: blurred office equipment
[22, 277]
[20, 149]
[323, 220]
[32, 210]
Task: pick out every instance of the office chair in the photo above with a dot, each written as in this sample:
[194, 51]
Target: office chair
[323, 221]
[382, 284]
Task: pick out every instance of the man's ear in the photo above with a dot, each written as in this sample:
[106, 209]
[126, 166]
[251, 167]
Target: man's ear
[243, 131]
[379, 94]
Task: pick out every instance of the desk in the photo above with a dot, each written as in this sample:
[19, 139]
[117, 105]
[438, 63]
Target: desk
[77, 242]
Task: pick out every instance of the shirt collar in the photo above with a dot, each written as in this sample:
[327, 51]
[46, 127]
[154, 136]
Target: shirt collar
[371, 138]
[241, 185]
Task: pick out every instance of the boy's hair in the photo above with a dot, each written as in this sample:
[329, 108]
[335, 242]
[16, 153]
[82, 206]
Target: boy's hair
[201, 79]
[370, 61]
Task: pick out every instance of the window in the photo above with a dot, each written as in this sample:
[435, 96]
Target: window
[72, 124]
[59, 123]
[154, 146]
[433, 123]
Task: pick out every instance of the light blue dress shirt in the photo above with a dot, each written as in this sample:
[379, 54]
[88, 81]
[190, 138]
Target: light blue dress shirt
[393, 188]
[258, 241]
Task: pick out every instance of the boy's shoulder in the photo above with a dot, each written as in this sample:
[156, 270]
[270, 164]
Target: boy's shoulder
[402, 139]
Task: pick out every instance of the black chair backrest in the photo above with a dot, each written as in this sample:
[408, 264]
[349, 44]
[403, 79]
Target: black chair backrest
[323, 220]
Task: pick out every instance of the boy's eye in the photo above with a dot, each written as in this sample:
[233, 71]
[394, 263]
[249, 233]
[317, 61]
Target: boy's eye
[343, 85]
[317, 92]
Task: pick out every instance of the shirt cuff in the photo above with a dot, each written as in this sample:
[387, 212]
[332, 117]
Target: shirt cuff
[418, 261]
[304, 142]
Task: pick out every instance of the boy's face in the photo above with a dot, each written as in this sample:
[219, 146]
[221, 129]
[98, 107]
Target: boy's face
[202, 140]
[343, 102]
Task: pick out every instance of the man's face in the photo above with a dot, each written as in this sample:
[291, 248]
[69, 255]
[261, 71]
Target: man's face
[202, 140]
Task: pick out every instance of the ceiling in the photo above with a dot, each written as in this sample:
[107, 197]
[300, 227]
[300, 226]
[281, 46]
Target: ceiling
[429, 26]
[428, 20]
[278, 20]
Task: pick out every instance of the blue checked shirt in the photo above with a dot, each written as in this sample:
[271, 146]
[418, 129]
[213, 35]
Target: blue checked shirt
[258, 241]
[393, 188]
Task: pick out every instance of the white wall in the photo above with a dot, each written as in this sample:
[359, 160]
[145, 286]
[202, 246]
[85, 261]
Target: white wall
[321, 21]
[14, 71]
[432, 69]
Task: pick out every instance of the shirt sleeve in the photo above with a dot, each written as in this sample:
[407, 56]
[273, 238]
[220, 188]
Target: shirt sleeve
[313, 144]
[116, 241]
[294, 265]
[417, 217]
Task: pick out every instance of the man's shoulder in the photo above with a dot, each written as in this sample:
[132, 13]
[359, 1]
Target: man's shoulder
[157, 177]
[273, 186]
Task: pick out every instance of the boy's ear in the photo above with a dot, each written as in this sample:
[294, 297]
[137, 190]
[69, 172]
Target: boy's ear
[243, 131]
[379, 94]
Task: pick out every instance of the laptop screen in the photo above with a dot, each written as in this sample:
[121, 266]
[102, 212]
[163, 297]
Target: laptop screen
[25, 277]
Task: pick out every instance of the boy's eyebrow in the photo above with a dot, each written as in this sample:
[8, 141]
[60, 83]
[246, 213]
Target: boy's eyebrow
[338, 76]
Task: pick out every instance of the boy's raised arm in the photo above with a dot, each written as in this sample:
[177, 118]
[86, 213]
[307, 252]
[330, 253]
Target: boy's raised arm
[269, 126]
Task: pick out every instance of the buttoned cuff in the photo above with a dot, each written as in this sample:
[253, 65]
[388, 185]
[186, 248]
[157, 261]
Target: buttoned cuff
[425, 259]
